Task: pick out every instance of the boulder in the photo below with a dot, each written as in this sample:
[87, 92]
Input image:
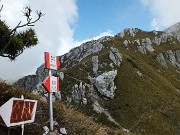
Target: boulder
[157, 40]
[125, 43]
[170, 56]
[105, 84]
[160, 58]
[147, 44]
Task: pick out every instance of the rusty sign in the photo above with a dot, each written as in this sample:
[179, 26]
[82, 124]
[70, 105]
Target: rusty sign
[18, 111]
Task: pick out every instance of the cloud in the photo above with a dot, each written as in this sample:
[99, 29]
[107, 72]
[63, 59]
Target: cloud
[164, 13]
[54, 31]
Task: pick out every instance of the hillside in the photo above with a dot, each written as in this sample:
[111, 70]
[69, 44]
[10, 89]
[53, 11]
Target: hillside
[75, 122]
[127, 81]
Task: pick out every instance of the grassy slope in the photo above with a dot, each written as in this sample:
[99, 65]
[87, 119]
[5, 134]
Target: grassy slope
[74, 122]
[145, 105]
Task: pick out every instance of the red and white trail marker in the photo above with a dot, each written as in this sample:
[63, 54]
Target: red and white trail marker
[17, 111]
[51, 62]
[51, 84]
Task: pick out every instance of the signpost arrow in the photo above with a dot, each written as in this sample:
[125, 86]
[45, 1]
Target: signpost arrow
[51, 84]
[17, 111]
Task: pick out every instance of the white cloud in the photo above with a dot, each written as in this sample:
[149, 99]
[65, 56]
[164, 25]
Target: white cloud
[54, 33]
[164, 12]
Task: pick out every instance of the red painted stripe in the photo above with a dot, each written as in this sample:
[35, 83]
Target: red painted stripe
[46, 84]
[57, 62]
[47, 59]
[58, 84]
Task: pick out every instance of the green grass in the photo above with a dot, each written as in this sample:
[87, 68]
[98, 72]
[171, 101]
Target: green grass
[145, 105]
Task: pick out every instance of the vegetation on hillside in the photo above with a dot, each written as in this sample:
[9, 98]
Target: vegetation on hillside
[147, 104]
[75, 122]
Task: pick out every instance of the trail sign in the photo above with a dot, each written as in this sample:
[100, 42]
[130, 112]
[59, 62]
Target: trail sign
[51, 62]
[17, 111]
[51, 84]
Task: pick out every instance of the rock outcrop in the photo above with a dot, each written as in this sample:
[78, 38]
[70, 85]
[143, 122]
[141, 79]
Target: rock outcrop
[78, 93]
[160, 58]
[105, 84]
[115, 56]
[95, 64]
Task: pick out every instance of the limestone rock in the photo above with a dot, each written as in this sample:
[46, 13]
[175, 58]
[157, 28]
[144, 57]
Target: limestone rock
[115, 56]
[170, 56]
[125, 43]
[157, 40]
[147, 44]
[63, 131]
[142, 49]
[61, 75]
[46, 130]
[177, 52]
[78, 92]
[28, 82]
[131, 31]
[95, 64]
[160, 58]
[105, 84]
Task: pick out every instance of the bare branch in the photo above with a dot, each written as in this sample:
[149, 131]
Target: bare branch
[1, 8]
[27, 13]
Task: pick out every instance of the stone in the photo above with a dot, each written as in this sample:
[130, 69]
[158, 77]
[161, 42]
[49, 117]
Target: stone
[46, 130]
[95, 64]
[84, 101]
[177, 53]
[155, 32]
[147, 44]
[170, 56]
[137, 42]
[157, 40]
[160, 58]
[105, 84]
[63, 131]
[125, 43]
[115, 56]
[131, 31]
[78, 92]
[61, 75]
[142, 49]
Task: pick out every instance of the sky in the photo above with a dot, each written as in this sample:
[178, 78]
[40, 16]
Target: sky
[69, 23]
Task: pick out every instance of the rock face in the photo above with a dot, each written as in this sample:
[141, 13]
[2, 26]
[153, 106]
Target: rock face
[95, 64]
[115, 56]
[105, 84]
[78, 93]
[146, 45]
[28, 82]
[129, 31]
[175, 30]
[171, 57]
[79, 53]
[161, 60]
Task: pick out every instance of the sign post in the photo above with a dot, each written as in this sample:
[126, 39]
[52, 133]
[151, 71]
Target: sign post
[51, 83]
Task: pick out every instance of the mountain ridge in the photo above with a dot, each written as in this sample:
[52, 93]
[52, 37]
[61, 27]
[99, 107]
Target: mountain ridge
[134, 76]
